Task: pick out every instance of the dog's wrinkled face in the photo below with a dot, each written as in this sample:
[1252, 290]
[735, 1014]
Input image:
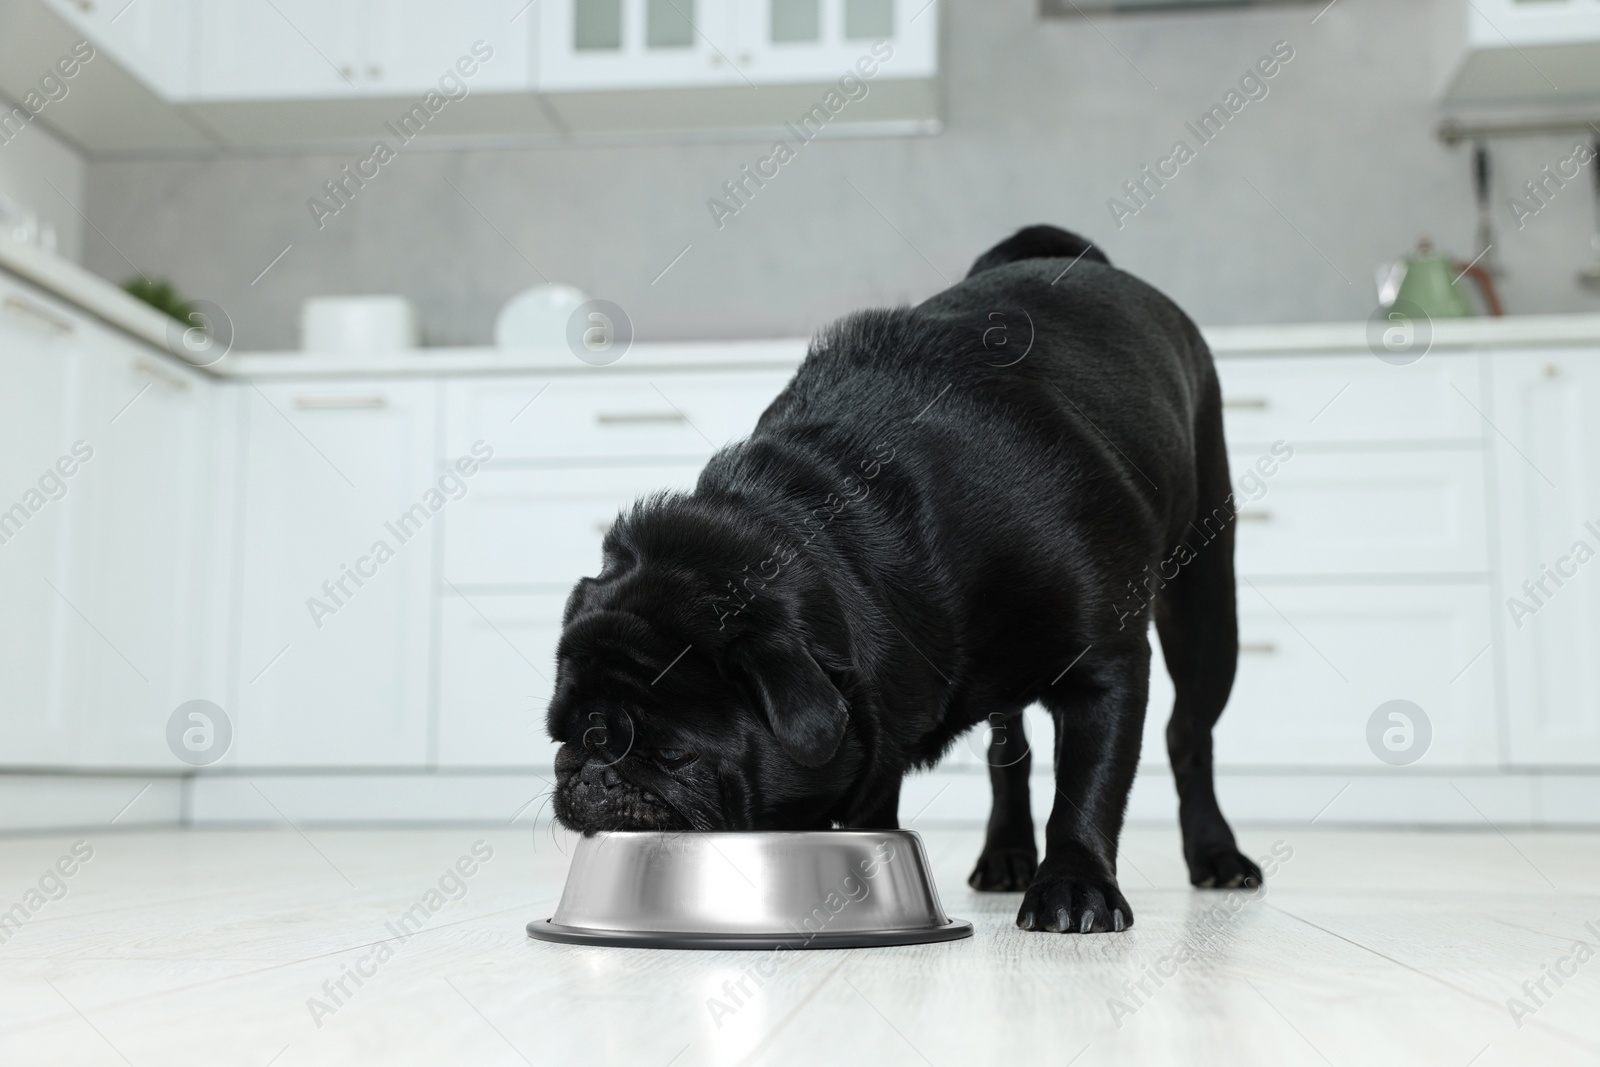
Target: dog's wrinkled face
[665, 723]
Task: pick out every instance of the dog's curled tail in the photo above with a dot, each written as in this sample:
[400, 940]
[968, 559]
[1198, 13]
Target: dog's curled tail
[1038, 242]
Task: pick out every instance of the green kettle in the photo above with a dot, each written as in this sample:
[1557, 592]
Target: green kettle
[1427, 280]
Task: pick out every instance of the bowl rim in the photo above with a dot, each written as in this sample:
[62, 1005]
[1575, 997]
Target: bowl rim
[545, 930]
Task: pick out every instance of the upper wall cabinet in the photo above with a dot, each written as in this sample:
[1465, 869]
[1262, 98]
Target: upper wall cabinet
[308, 49]
[622, 44]
[1503, 51]
[323, 74]
[153, 39]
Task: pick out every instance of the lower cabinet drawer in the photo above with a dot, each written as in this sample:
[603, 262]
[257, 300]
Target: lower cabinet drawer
[496, 669]
[1316, 664]
[1350, 398]
[537, 527]
[677, 414]
[1397, 512]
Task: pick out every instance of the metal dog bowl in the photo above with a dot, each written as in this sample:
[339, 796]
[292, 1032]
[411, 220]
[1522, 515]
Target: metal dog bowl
[821, 889]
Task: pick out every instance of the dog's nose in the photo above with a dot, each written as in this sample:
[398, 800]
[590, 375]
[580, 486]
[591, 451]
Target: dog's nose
[599, 776]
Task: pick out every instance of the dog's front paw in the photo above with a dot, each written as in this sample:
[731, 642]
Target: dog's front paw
[1004, 870]
[1074, 906]
[1223, 867]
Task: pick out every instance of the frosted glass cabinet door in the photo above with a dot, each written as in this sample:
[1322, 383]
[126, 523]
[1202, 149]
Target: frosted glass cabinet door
[1549, 474]
[819, 40]
[633, 44]
[334, 650]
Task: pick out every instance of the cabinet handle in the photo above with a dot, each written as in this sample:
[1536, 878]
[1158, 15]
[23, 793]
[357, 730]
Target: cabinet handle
[340, 403]
[1249, 403]
[641, 419]
[1255, 516]
[28, 309]
[1258, 648]
[160, 374]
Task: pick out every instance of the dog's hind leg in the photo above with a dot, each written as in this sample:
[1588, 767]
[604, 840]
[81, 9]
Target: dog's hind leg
[1196, 616]
[1010, 855]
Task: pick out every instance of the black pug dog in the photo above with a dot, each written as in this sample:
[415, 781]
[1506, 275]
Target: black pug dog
[953, 511]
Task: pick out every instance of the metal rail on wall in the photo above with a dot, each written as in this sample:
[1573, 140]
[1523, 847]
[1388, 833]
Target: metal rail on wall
[1454, 131]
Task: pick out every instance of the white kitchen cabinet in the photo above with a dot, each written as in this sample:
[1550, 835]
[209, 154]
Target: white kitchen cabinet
[335, 669]
[412, 44]
[544, 527]
[496, 669]
[1361, 513]
[604, 417]
[1512, 23]
[287, 49]
[140, 640]
[152, 39]
[38, 339]
[311, 49]
[107, 625]
[820, 40]
[1522, 51]
[619, 44]
[1548, 470]
[1316, 662]
[1349, 400]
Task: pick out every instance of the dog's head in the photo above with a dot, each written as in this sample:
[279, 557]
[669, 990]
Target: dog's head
[673, 713]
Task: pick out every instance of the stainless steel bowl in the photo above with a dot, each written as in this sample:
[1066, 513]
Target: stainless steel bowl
[822, 889]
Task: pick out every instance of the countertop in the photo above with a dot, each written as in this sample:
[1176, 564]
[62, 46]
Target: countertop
[98, 297]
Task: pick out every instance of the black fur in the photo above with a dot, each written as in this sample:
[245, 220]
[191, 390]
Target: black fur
[953, 511]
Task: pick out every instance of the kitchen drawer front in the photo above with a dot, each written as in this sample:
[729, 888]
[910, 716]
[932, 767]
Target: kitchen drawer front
[1316, 662]
[1339, 399]
[496, 669]
[1408, 512]
[539, 527]
[688, 415]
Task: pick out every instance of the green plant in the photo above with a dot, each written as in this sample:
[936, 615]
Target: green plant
[162, 295]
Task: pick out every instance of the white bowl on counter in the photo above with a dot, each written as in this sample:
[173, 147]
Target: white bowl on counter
[358, 325]
[537, 317]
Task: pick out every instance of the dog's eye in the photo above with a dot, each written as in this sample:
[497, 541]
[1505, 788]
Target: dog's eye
[674, 758]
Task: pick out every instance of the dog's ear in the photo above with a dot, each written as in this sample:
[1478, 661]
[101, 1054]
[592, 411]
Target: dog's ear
[804, 708]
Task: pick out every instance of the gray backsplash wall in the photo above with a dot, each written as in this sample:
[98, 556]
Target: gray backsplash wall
[1282, 218]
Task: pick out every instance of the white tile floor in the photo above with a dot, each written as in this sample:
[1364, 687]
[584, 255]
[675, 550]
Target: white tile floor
[208, 948]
